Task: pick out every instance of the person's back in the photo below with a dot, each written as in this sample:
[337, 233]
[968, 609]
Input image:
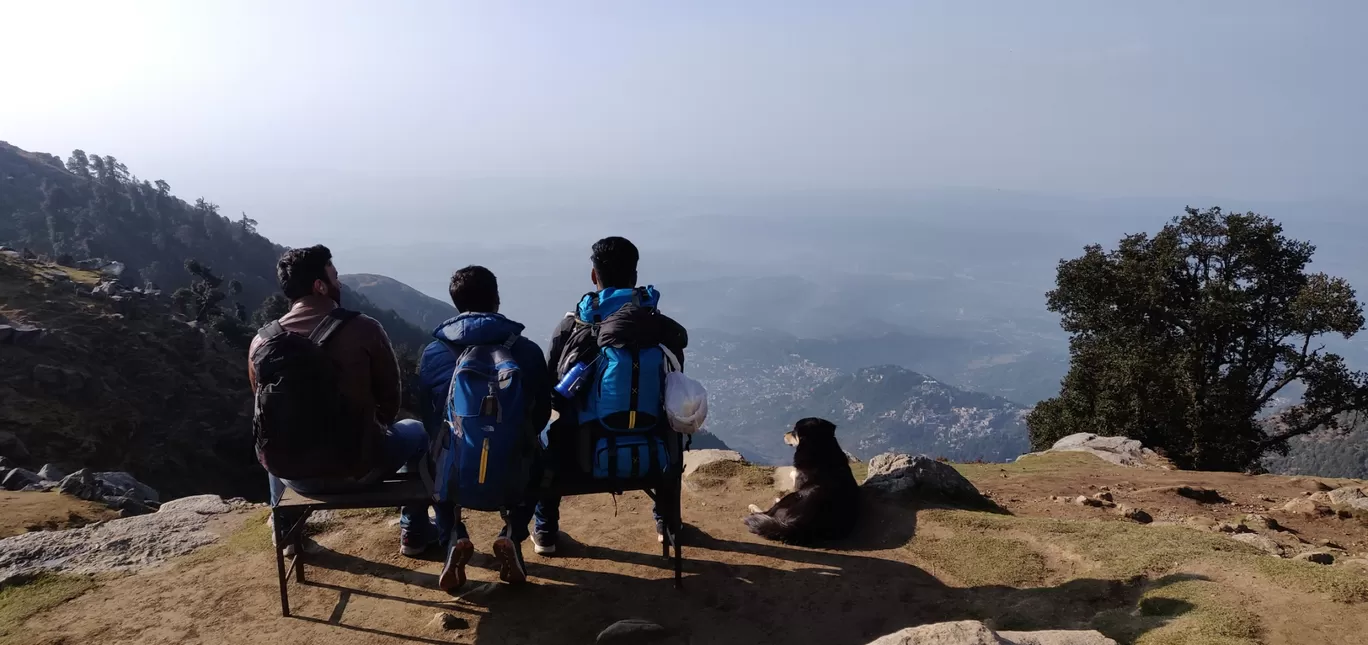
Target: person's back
[614, 276]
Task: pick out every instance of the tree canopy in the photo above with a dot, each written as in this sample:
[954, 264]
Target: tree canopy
[1185, 338]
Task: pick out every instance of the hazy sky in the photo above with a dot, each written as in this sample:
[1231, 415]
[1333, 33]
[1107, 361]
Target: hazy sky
[294, 109]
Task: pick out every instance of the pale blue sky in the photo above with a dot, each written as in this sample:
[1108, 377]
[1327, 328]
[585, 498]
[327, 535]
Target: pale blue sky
[291, 110]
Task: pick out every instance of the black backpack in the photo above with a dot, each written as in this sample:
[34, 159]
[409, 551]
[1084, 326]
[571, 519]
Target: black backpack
[302, 426]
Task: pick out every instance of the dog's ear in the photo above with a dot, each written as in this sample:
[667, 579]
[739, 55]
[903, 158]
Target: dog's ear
[814, 427]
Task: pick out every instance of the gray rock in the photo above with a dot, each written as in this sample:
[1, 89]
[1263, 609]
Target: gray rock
[631, 632]
[127, 506]
[202, 504]
[117, 545]
[1261, 542]
[82, 484]
[1318, 557]
[6, 463]
[693, 459]
[920, 477]
[1346, 496]
[52, 473]
[964, 632]
[42, 486]
[1134, 514]
[106, 288]
[12, 447]
[1117, 450]
[19, 479]
[121, 483]
[1261, 522]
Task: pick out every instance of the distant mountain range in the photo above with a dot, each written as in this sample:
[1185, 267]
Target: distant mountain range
[1325, 455]
[414, 306]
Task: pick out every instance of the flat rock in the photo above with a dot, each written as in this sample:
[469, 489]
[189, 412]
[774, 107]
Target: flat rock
[117, 545]
[1307, 506]
[919, 477]
[632, 631]
[1056, 637]
[695, 458]
[1346, 496]
[202, 504]
[973, 632]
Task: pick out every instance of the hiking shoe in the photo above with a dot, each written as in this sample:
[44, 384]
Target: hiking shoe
[660, 531]
[544, 543]
[511, 567]
[275, 539]
[453, 572]
[412, 543]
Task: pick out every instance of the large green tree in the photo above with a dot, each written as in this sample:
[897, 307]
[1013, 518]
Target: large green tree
[1185, 338]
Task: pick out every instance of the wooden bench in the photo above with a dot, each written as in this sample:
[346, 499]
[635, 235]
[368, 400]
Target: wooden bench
[401, 490]
[406, 490]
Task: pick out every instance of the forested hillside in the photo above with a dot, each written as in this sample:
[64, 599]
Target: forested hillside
[93, 206]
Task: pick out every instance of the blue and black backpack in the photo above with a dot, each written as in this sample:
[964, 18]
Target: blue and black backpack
[483, 461]
[621, 407]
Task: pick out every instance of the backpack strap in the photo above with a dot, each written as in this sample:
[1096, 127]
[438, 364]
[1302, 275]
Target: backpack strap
[512, 339]
[271, 330]
[331, 323]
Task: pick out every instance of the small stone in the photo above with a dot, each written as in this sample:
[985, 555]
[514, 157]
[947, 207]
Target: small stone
[631, 631]
[1307, 506]
[1134, 514]
[1262, 522]
[1259, 542]
[1318, 557]
[1328, 544]
[1104, 497]
[446, 622]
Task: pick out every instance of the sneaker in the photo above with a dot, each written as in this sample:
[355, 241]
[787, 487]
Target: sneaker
[660, 531]
[511, 567]
[289, 548]
[412, 543]
[453, 572]
[544, 543]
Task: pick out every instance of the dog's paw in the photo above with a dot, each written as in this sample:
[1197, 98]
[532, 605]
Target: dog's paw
[756, 509]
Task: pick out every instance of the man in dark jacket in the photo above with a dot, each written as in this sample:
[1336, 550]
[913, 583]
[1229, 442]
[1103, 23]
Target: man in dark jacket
[614, 266]
[475, 293]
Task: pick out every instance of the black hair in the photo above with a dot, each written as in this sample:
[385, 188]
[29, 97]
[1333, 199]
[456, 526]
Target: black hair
[299, 268]
[475, 288]
[615, 260]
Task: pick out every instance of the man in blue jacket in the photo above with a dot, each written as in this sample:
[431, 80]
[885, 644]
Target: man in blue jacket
[475, 292]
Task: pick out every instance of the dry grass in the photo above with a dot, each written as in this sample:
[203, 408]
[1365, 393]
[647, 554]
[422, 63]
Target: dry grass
[23, 599]
[718, 473]
[1342, 585]
[1182, 612]
[1052, 463]
[976, 559]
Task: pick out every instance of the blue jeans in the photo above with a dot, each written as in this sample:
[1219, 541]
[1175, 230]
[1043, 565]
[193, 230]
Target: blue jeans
[405, 444]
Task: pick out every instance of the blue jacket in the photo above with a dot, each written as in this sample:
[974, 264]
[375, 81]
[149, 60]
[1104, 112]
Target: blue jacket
[438, 364]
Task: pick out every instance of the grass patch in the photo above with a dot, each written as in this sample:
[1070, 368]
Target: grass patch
[26, 598]
[254, 536]
[1120, 550]
[860, 470]
[977, 559]
[1181, 612]
[718, 472]
[1055, 463]
[1342, 585]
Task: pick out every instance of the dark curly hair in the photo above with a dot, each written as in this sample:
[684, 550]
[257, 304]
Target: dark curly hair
[299, 268]
[615, 261]
[475, 288]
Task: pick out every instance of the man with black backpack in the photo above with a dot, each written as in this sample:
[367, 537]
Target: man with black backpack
[609, 355]
[486, 395]
[327, 391]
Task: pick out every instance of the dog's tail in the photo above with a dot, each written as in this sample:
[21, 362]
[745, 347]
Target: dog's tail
[767, 527]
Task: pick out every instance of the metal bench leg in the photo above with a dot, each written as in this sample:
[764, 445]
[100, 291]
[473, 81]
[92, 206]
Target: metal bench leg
[280, 563]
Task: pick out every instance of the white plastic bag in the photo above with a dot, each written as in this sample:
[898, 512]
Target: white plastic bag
[686, 400]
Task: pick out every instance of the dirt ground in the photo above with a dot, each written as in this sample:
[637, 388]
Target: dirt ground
[24, 512]
[1040, 565]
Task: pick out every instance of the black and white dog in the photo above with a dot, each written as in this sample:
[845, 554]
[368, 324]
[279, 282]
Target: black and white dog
[824, 504]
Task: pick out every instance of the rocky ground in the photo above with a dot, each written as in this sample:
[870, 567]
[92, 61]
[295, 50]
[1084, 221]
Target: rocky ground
[1194, 573]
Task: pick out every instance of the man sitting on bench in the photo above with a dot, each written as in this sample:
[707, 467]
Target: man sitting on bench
[327, 396]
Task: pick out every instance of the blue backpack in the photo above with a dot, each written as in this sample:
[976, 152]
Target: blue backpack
[483, 462]
[621, 408]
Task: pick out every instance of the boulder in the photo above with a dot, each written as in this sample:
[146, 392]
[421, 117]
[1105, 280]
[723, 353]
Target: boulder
[1345, 496]
[19, 479]
[202, 504]
[82, 484]
[1056, 637]
[127, 506]
[920, 477]
[121, 483]
[1307, 506]
[1117, 450]
[695, 458]
[12, 447]
[52, 473]
[631, 632]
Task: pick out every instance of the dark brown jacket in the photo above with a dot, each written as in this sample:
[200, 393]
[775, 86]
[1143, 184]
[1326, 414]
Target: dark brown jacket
[369, 372]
